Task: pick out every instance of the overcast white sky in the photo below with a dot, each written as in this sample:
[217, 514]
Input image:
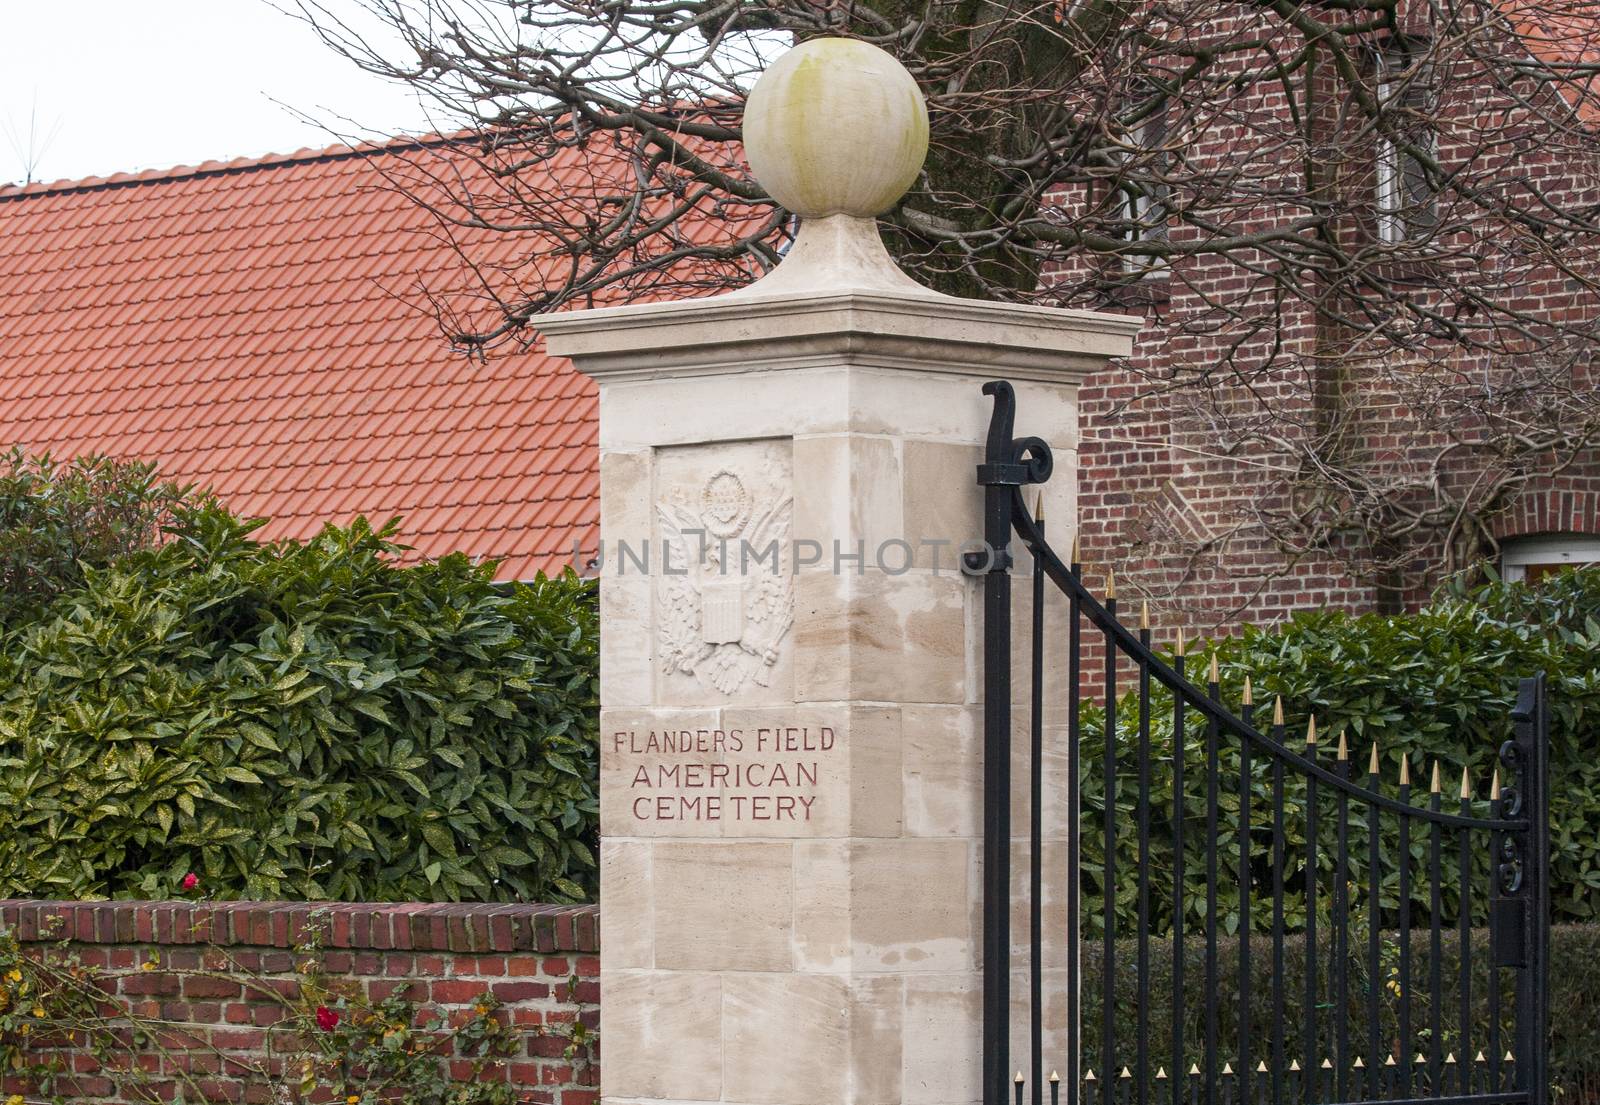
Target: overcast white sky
[122, 85]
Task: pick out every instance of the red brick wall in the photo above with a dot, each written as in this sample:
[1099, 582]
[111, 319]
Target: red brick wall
[541, 962]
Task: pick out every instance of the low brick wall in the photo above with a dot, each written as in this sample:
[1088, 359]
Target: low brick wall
[540, 962]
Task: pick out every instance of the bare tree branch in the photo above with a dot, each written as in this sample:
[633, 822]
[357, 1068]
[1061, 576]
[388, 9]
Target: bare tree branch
[1367, 229]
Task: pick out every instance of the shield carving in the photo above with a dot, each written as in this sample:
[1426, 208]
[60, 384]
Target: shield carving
[722, 611]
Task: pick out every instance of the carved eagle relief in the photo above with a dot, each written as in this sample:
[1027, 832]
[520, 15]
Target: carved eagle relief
[726, 599]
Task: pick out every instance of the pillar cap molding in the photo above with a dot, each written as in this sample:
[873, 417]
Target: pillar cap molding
[838, 299]
[913, 331]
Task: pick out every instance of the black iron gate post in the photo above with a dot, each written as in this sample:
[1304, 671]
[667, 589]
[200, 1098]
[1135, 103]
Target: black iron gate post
[1008, 465]
[996, 765]
[1522, 909]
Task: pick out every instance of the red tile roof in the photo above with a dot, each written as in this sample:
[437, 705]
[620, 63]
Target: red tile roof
[239, 325]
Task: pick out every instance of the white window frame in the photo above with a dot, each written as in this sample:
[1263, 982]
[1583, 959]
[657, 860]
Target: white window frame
[1567, 549]
[1135, 209]
[1391, 224]
[1391, 198]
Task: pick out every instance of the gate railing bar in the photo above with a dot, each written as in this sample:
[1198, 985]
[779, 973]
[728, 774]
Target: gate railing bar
[1108, 897]
[1142, 1052]
[1404, 969]
[1464, 936]
[1311, 1047]
[1246, 981]
[1074, 855]
[1213, 708]
[1374, 922]
[1179, 814]
[1213, 687]
[1036, 831]
[1279, 847]
[1341, 931]
[1496, 841]
[1436, 941]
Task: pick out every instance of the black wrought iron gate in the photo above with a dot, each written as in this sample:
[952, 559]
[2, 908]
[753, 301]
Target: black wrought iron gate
[1246, 920]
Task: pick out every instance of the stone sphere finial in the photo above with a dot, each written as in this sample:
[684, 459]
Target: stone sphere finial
[836, 127]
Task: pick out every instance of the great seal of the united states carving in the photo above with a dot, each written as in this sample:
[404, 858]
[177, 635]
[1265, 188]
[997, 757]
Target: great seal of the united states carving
[726, 601]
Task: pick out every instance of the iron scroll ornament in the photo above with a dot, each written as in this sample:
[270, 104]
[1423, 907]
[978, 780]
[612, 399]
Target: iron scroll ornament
[1509, 864]
[1009, 462]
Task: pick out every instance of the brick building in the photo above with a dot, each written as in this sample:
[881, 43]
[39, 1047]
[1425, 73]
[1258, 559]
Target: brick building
[1184, 505]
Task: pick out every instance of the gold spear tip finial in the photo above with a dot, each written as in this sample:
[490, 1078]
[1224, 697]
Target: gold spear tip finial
[1435, 788]
[1389, 1062]
[1075, 557]
[1111, 583]
[1227, 1068]
[1161, 1074]
[1054, 1077]
[1090, 1076]
[1144, 614]
[1019, 1078]
[1405, 770]
[1359, 1064]
[1126, 1073]
[1213, 675]
[1294, 1064]
[1466, 784]
[1344, 746]
[1262, 1066]
[1372, 764]
[1494, 786]
[1327, 1064]
[1194, 1068]
[1249, 698]
[1179, 650]
[1311, 730]
[1277, 710]
[1038, 507]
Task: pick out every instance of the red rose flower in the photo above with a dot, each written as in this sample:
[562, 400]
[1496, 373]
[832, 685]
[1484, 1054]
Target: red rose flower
[327, 1019]
[190, 881]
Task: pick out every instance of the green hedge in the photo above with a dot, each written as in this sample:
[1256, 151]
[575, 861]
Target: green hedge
[57, 518]
[1574, 1000]
[1435, 685]
[301, 721]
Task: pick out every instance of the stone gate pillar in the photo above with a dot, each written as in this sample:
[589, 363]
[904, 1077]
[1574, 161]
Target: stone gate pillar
[791, 762]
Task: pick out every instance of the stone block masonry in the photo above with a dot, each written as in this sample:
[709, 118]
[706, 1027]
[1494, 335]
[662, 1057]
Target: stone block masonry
[541, 963]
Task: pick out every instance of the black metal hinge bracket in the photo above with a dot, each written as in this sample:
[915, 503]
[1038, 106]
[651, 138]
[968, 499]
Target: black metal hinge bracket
[1509, 924]
[1003, 475]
